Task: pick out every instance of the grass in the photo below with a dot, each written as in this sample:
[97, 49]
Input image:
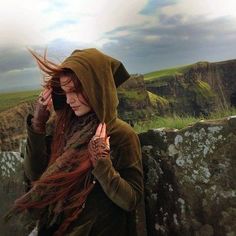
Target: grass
[165, 72]
[169, 72]
[223, 113]
[9, 100]
[178, 122]
[132, 94]
[203, 88]
[157, 99]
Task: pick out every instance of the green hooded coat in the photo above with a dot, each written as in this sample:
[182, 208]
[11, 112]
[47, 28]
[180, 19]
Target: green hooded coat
[110, 207]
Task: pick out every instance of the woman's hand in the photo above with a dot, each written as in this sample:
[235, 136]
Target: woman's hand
[45, 97]
[99, 146]
[41, 113]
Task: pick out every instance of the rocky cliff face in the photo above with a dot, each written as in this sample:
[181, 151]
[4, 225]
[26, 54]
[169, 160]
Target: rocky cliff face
[221, 76]
[12, 126]
[189, 178]
[134, 101]
[198, 89]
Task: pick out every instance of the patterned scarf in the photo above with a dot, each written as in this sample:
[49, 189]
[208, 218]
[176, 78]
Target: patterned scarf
[66, 183]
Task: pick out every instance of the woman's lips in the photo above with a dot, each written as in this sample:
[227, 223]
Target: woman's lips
[74, 108]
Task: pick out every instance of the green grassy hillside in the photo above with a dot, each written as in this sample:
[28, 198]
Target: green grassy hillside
[170, 72]
[8, 100]
[166, 72]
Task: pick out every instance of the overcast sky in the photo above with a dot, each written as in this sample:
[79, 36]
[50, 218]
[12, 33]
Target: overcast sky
[146, 35]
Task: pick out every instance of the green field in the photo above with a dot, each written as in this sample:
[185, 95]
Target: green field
[9, 100]
[166, 72]
[170, 72]
[179, 122]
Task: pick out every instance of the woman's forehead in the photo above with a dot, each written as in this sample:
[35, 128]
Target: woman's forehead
[66, 82]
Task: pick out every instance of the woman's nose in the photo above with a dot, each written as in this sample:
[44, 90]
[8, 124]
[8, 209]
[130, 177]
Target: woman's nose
[69, 99]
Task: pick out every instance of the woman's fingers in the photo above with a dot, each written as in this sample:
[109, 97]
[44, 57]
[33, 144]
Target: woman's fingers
[45, 96]
[103, 131]
[46, 93]
[98, 131]
[48, 102]
[108, 142]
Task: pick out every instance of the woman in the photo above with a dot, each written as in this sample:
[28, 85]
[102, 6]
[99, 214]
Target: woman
[87, 175]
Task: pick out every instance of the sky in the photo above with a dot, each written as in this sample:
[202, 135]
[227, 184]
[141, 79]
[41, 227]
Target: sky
[146, 35]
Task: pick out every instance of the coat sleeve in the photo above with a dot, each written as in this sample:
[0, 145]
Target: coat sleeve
[36, 153]
[123, 185]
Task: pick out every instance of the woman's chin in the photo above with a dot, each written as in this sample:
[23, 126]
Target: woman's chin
[80, 113]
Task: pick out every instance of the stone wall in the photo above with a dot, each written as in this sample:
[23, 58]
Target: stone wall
[190, 179]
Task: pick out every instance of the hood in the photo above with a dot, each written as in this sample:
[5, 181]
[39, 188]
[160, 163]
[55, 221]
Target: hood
[99, 75]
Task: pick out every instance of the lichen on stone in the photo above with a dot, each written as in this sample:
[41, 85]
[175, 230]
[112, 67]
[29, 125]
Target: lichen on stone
[195, 145]
[9, 161]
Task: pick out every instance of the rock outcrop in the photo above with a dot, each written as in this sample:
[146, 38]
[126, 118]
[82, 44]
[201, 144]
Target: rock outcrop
[190, 180]
[11, 187]
[134, 100]
[13, 126]
[197, 89]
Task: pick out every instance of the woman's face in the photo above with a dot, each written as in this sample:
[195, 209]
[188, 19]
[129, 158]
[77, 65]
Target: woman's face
[75, 99]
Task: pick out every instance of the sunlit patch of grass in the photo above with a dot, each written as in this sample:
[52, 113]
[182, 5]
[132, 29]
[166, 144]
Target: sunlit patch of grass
[9, 100]
[166, 72]
[175, 122]
[179, 122]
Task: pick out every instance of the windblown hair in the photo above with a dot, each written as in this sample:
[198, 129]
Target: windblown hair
[64, 116]
[68, 176]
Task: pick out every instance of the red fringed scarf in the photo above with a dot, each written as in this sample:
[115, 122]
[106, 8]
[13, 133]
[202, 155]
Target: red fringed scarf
[66, 183]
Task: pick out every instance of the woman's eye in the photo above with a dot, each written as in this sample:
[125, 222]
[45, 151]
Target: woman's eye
[70, 92]
[60, 92]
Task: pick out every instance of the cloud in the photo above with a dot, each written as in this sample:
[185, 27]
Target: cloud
[18, 69]
[63, 24]
[145, 34]
[207, 8]
[20, 79]
[173, 41]
[96, 19]
[22, 22]
[14, 59]
[153, 5]
[34, 22]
